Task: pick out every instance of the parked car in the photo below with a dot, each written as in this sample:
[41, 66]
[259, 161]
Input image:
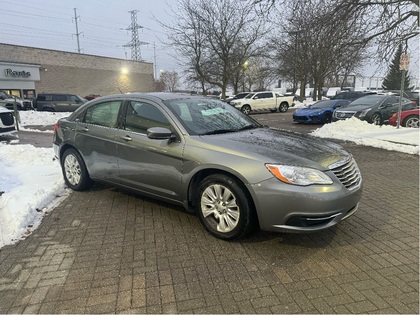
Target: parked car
[58, 102]
[8, 101]
[409, 118]
[350, 95]
[264, 101]
[318, 113]
[376, 109]
[91, 96]
[7, 121]
[237, 96]
[205, 155]
[411, 95]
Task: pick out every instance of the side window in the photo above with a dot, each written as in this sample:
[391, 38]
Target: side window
[103, 114]
[266, 95]
[142, 116]
[73, 99]
[59, 98]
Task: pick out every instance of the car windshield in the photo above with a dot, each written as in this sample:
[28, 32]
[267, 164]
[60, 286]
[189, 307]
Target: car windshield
[205, 117]
[322, 104]
[249, 95]
[368, 100]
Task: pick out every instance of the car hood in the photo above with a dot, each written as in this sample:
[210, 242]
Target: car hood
[276, 146]
[4, 110]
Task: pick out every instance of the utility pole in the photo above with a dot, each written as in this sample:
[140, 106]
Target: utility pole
[154, 59]
[135, 42]
[77, 30]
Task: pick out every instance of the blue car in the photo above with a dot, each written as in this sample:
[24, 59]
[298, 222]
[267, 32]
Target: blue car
[319, 112]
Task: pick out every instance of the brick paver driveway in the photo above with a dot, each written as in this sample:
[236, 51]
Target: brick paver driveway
[106, 251]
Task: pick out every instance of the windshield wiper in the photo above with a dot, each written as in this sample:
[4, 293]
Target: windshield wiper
[248, 127]
[218, 131]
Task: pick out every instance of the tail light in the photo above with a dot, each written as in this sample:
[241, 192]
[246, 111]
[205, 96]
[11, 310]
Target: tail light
[55, 128]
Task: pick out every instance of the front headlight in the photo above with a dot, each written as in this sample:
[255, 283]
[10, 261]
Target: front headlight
[297, 175]
[364, 113]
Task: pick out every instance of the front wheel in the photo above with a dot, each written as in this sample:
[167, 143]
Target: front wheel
[411, 121]
[376, 119]
[246, 109]
[326, 119]
[74, 171]
[223, 207]
[283, 107]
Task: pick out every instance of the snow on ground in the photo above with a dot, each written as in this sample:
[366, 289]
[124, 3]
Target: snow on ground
[31, 182]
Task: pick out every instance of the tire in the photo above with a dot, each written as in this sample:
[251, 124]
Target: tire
[283, 107]
[376, 119]
[74, 171]
[224, 208]
[273, 110]
[246, 109]
[411, 121]
[326, 118]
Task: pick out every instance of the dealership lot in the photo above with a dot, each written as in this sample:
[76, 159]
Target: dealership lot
[106, 251]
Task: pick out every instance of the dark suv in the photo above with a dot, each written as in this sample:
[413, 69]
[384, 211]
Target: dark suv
[56, 102]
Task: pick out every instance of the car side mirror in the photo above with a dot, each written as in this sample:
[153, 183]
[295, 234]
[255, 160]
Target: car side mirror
[159, 133]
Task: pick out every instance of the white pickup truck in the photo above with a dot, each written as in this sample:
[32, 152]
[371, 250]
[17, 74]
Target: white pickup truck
[263, 101]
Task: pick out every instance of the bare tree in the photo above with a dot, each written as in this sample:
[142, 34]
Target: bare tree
[215, 38]
[316, 46]
[170, 80]
[388, 23]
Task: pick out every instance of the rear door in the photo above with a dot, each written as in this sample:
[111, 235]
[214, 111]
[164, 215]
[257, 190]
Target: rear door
[59, 103]
[96, 138]
[149, 165]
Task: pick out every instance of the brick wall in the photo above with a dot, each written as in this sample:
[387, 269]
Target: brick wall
[65, 72]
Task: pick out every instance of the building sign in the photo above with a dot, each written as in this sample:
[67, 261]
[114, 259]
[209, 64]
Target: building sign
[11, 73]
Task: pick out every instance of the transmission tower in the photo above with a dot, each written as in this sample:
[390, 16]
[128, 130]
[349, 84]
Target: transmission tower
[135, 42]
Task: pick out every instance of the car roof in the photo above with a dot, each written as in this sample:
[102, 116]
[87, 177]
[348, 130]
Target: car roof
[163, 96]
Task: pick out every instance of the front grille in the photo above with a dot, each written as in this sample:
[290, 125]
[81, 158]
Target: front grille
[7, 119]
[348, 174]
[343, 115]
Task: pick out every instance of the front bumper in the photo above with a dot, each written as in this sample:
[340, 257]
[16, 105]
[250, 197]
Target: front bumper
[289, 208]
[307, 119]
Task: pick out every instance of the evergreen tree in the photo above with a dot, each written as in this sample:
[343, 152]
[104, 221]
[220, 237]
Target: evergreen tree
[392, 80]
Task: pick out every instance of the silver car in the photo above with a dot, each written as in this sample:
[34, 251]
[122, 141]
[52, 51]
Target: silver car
[207, 156]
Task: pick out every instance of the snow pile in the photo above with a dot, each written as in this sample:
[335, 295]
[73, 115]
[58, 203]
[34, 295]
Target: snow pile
[30, 185]
[360, 132]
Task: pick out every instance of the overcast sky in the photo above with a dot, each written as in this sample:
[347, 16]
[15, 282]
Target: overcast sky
[103, 26]
[103, 23]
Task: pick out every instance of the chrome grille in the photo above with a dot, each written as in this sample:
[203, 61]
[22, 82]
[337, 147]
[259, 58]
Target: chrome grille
[7, 119]
[348, 174]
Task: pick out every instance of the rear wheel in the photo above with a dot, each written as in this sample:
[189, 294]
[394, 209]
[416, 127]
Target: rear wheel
[223, 207]
[74, 171]
[246, 109]
[411, 121]
[283, 107]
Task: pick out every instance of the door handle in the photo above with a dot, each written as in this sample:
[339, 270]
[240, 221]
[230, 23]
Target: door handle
[85, 129]
[126, 138]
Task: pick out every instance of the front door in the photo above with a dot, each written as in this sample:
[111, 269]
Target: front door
[148, 165]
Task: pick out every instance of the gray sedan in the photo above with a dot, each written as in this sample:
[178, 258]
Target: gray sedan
[207, 156]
